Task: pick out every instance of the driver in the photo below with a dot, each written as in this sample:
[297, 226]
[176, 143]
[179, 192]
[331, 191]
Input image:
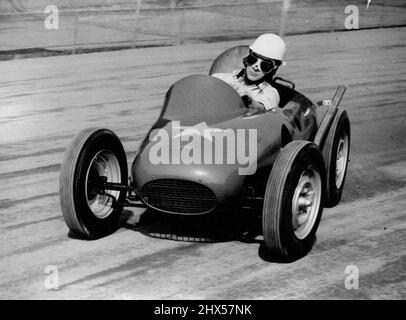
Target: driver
[253, 83]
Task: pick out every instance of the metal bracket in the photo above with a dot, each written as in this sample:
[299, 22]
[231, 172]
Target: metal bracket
[328, 118]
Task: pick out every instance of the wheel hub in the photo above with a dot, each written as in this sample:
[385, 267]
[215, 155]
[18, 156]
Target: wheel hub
[341, 160]
[103, 167]
[306, 202]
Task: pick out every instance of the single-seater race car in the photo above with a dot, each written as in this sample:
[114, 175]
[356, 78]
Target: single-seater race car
[208, 152]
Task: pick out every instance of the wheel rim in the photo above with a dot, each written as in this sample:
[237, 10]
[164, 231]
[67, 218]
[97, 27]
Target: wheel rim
[106, 164]
[306, 202]
[341, 160]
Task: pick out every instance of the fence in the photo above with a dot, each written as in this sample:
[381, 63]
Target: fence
[142, 23]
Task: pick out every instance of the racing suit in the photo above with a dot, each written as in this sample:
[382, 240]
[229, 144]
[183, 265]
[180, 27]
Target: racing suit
[262, 92]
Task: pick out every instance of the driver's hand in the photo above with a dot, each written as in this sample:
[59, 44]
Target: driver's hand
[247, 100]
[257, 106]
[251, 112]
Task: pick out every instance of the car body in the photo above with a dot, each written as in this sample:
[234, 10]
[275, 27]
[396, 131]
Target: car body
[207, 152]
[202, 99]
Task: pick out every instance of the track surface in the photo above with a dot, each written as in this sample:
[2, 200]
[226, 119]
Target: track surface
[45, 102]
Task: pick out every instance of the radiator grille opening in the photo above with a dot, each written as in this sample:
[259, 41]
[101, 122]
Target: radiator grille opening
[178, 196]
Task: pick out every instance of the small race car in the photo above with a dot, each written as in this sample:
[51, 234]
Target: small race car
[208, 152]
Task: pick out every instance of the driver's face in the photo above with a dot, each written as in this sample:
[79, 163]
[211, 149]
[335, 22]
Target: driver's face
[254, 72]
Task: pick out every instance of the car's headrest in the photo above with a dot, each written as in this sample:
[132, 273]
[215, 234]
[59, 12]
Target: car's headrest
[229, 60]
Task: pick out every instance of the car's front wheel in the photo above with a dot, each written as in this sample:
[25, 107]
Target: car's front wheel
[293, 201]
[94, 157]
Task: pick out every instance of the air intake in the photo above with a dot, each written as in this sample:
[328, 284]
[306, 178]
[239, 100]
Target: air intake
[178, 196]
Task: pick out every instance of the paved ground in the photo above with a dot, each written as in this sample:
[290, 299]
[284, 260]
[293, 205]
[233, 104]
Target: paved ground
[46, 101]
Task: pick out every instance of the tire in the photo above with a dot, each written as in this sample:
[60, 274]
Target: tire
[299, 165]
[87, 213]
[336, 151]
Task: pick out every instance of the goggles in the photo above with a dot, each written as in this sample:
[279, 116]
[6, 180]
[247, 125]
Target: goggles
[265, 65]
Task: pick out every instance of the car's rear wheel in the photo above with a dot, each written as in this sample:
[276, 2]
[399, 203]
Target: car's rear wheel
[94, 157]
[293, 201]
[336, 152]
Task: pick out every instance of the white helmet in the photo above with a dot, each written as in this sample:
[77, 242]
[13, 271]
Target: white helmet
[269, 46]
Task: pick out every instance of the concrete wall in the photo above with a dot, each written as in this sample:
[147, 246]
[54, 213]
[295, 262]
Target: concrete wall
[14, 6]
[27, 6]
